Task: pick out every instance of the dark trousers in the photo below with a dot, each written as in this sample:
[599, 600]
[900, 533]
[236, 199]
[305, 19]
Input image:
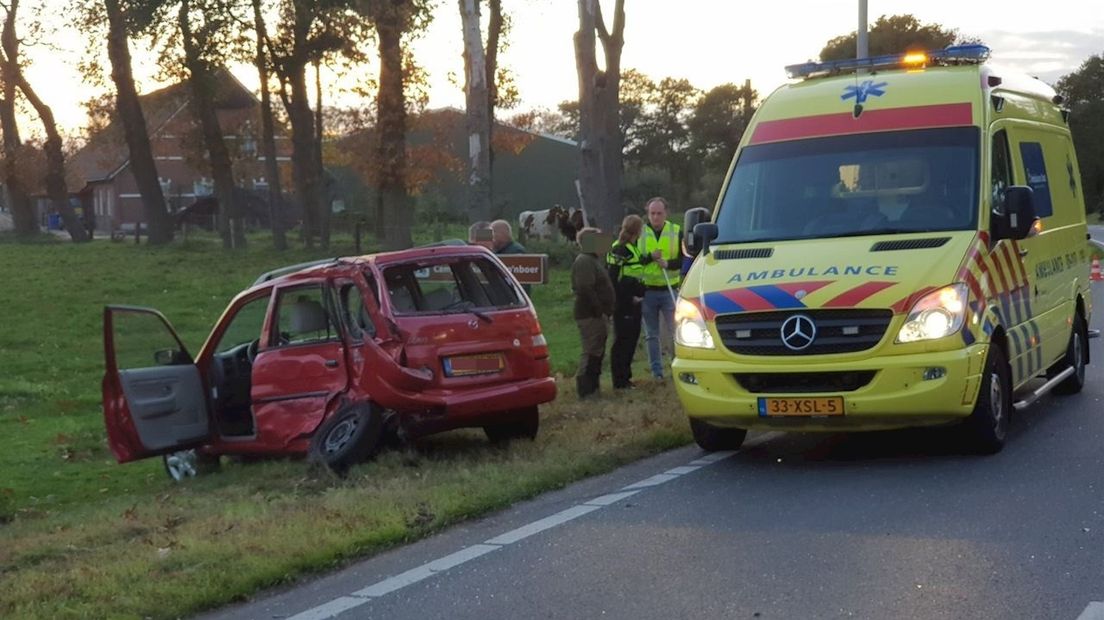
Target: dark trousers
[626, 333]
[592, 332]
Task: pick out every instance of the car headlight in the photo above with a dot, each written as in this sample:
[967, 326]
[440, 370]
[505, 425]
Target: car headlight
[937, 315]
[690, 329]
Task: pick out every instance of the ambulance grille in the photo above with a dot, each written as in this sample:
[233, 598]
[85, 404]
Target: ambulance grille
[746, 253]
[909, 244]
[803, 382]
[838, 331]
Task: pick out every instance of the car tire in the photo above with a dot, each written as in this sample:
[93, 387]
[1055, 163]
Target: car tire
[523, 424]
[350, 436]
[184, 464]
[714, 439]
[1075, 357]
[987, 427]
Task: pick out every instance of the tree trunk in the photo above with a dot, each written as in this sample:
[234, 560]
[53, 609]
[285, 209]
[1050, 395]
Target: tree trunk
[495, 24]
[56, 187]
[268, 137]
[303, 159]
[134, 127]
[24, 215]
[394, 202]
[478, 123]
[201, 82]
[324, 204]
[600, 139]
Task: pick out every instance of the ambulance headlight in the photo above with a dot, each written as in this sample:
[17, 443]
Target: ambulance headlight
[690, 329]
[936, 315]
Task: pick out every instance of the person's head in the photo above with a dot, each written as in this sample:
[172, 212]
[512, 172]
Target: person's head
[502, 234]
[474, 228]
[480, 233]
[588, 239]
[656, 209]
[630, 229]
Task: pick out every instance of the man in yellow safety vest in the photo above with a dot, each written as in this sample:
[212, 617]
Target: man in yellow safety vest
[661, 256]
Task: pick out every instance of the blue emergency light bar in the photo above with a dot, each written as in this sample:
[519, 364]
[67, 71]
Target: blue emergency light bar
[955, 54]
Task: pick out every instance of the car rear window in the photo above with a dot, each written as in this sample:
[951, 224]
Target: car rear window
[455, 285]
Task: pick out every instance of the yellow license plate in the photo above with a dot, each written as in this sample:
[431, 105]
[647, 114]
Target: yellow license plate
[780, 407]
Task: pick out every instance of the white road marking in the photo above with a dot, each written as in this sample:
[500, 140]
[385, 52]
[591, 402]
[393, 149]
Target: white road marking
[331, 609]
[401, 580]
[458, 558]
[343, 604]
[612, 498]
[1095, 611]
[654, 481]
[540, 525]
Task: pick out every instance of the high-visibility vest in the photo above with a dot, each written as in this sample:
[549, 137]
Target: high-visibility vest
[630, 266]
[668, 246]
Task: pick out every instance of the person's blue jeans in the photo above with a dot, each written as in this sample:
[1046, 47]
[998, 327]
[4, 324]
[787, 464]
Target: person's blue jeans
[657, 304]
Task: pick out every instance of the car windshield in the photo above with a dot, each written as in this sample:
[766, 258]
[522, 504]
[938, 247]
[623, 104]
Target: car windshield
[450, 286]
[864, 184]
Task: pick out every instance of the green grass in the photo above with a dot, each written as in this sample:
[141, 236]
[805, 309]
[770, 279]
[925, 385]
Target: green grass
[81, 536]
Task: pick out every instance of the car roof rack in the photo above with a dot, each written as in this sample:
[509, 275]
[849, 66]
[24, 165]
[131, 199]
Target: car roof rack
[283, 271]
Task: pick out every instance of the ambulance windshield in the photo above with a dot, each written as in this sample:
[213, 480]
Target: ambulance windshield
[846, 186]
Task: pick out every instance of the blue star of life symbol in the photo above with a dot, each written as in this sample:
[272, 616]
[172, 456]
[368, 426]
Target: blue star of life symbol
[864, 90]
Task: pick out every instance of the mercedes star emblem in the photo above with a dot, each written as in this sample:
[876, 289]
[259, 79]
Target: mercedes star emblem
[798, 332]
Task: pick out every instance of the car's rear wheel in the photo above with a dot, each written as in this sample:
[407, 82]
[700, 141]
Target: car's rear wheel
[350, 436]
[1076, 354]
[714, 439]
[520, 424]
[987, 426]
[185, 464]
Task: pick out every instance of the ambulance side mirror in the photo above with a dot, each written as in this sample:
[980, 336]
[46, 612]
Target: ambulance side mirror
[704, 234]
[1019, 217]
[695, 244]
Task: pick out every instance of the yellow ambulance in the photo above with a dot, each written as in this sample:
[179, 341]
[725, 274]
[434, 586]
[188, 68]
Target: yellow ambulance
[900, 241]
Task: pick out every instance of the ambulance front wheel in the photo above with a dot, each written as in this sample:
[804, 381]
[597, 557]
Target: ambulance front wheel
[714, 439]
[987, 426]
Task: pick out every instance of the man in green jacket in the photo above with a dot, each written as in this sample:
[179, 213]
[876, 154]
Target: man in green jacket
[594, 304]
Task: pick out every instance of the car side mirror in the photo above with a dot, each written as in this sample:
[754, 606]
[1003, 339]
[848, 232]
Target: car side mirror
[705, 233]
[169, 357]
[690, 222]
[1019, 217]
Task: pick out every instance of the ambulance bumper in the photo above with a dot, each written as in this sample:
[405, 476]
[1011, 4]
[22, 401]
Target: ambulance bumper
[877, 393]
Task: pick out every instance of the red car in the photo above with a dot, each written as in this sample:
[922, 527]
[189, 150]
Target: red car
[319, 359]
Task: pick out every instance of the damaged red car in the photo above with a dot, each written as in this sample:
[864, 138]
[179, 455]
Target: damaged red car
[323, 359]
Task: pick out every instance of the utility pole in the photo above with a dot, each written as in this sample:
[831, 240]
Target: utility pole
[862, 44]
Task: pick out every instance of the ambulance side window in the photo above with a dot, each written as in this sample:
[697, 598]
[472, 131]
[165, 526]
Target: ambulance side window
[1002, 170]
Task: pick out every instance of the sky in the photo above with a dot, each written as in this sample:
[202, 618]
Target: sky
[707, 42]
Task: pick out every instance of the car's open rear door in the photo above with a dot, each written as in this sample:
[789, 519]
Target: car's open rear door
[153, 396]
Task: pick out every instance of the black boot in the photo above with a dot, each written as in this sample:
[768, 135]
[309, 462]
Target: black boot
[594, 372]
[585, 386]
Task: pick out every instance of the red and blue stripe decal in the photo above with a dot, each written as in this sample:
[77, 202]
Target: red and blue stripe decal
[787, 296]
[913, 117]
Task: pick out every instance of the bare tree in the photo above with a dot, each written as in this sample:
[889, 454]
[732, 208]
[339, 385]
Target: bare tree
[119, 20]
[54, 177]
[23, 212]
[481, 93]
[268, 134]
[600, 139]
[198, 37]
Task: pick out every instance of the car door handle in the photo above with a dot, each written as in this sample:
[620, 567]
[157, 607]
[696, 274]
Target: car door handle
[331, 363]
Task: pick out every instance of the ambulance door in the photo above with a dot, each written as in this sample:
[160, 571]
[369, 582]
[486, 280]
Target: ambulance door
[1013, 265]
[1044, 163]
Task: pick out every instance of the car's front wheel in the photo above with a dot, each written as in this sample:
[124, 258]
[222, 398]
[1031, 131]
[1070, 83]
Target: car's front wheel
[520, 424]
[350, 436]
[987, 426]
[714, 438]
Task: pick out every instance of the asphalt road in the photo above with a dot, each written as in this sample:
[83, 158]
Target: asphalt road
[884, 525]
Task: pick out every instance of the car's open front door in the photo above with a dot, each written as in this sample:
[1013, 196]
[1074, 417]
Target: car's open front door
[153, 396]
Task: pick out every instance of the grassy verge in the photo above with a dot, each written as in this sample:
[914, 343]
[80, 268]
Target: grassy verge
[83, 537]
